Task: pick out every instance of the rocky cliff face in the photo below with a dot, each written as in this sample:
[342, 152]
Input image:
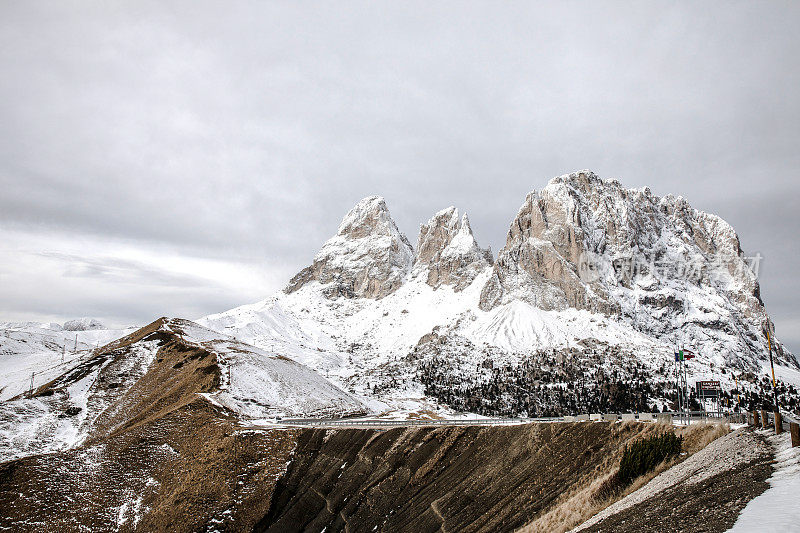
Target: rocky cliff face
[447, 252]
[657, 263]
[431, 479]
[368, 257]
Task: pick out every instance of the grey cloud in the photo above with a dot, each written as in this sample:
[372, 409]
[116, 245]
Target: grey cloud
[245, 131]
[116, 270]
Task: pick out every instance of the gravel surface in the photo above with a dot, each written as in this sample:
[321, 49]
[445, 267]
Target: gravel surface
[703, 493]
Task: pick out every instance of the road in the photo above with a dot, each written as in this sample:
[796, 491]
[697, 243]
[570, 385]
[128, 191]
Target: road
[380, 423]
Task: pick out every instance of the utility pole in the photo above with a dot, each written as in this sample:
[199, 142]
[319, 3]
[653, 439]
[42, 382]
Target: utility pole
[682, 363]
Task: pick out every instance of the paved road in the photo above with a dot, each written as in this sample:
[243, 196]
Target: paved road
[362, 422]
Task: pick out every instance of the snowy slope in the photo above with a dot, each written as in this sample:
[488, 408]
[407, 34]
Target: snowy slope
[37, 348]
[257, 384]
[775, 510]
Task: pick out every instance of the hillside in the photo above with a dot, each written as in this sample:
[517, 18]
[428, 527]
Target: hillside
[179, 425]
[194, 469]
[151, 373]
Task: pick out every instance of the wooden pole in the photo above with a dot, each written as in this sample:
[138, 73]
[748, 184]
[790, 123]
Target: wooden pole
[794, 429]
[778, 423]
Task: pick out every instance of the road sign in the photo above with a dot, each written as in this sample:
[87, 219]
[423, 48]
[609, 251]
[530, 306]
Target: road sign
[708, 389]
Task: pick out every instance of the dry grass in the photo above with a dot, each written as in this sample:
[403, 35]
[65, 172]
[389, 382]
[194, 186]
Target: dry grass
[582, 503]
[698, 436]
[424, 414]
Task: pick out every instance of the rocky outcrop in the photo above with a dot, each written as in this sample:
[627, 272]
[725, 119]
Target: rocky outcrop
[540, 261]
[668, 269]
[368, 256]
[447, 252]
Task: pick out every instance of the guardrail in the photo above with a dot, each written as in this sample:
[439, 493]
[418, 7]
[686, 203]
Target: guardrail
[668, 418]
[780, 421]
[403, 423]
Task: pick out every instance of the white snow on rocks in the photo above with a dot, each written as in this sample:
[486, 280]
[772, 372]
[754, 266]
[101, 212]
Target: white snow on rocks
[36, 348]
[255, 384]
[368, 257]
[83, 324]
[359, 308]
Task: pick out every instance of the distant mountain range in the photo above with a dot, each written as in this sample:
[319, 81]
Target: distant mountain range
[595, 289]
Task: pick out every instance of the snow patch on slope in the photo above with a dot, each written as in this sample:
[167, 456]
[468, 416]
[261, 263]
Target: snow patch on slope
[258, 384]
[519, 326]
[776, 509]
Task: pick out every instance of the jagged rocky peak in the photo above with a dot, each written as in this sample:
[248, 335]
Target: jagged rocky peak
[368, 257]
[368, 217]
[447, 252]
[658, 263]
[539, 262]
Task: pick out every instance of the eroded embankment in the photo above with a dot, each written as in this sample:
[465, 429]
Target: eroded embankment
[192, 470]
[440, 479]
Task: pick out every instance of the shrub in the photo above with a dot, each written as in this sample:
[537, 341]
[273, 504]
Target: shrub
[645, 454]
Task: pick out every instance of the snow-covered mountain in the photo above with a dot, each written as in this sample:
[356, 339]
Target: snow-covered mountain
[595, 288]
[447, 252]
[668, 270]
[154, 371]
[83, 324]
[367, 257]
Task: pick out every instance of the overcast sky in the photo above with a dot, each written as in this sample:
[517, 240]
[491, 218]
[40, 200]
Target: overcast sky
[179, 159]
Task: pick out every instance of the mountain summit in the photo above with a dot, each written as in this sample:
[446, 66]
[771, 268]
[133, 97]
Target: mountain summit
[447, 252]
[368, 256]
[657, 263]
